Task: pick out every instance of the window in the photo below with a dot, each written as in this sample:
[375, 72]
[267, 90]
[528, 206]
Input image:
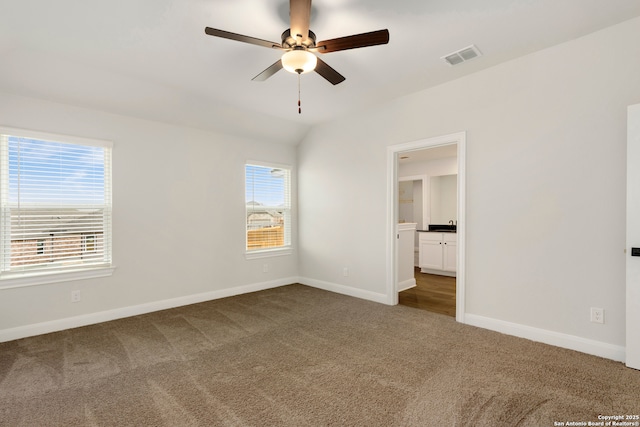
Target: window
[40, 246]
[55, 204]
[268, 208]
[89, 243]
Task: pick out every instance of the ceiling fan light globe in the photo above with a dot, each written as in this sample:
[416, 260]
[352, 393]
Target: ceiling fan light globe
[299, 61]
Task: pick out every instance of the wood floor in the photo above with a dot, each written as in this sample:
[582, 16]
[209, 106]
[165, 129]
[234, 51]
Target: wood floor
[432, 293]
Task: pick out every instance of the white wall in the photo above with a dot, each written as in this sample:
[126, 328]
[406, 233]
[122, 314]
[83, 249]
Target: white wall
[178, 206]
[546, 137]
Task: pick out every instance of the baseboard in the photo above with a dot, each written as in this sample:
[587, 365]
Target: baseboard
[571, 342]
[407, 284]
[119, 313]
[439, 272]
[344, 290]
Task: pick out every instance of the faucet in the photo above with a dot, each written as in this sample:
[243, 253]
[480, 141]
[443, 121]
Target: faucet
[451, 222]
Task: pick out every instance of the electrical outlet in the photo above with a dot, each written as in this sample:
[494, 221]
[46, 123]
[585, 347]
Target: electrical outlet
[265, 268]
[597, 315]
[345, 272]
[75, 296]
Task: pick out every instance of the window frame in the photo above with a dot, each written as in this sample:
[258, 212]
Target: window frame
[9, 280]
[287, 248]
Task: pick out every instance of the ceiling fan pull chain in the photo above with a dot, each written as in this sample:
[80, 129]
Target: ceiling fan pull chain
[299, 109]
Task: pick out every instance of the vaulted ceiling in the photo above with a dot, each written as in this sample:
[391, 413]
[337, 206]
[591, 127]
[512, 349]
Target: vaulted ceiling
[151, 58]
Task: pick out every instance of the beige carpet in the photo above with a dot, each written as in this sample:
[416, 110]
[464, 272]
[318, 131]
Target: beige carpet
[298, 356]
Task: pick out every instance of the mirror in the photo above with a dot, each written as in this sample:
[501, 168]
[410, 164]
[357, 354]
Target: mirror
[443, 200]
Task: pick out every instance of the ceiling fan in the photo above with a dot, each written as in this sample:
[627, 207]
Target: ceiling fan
[299, 43]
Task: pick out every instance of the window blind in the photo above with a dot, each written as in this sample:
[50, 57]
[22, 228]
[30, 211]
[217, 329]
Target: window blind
[268, 207]
[55, 201]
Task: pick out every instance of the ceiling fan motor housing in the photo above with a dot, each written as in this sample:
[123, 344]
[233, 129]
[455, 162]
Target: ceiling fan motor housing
[290, 42]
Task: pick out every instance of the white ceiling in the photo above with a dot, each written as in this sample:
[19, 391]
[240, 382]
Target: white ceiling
[151, 58]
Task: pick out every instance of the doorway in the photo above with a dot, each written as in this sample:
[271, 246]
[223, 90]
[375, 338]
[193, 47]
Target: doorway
[415, 148]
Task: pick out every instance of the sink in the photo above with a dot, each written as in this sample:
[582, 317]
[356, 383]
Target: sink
[442, 228]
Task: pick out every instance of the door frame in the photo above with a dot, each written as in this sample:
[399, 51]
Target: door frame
[392, 214]
[632, 345]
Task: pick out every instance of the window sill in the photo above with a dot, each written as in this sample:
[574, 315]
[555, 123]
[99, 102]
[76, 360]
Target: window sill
[20, 281]
[267, 253]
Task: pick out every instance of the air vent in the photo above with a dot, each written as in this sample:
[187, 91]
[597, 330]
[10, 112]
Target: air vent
[462, 55]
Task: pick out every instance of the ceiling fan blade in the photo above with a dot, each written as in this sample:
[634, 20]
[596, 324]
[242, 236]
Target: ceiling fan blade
[373, 38]
[300, 15]
[277, 66]
[329, 73]
[241, 38]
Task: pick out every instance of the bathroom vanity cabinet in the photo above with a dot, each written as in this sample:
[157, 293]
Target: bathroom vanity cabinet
[438, 253]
